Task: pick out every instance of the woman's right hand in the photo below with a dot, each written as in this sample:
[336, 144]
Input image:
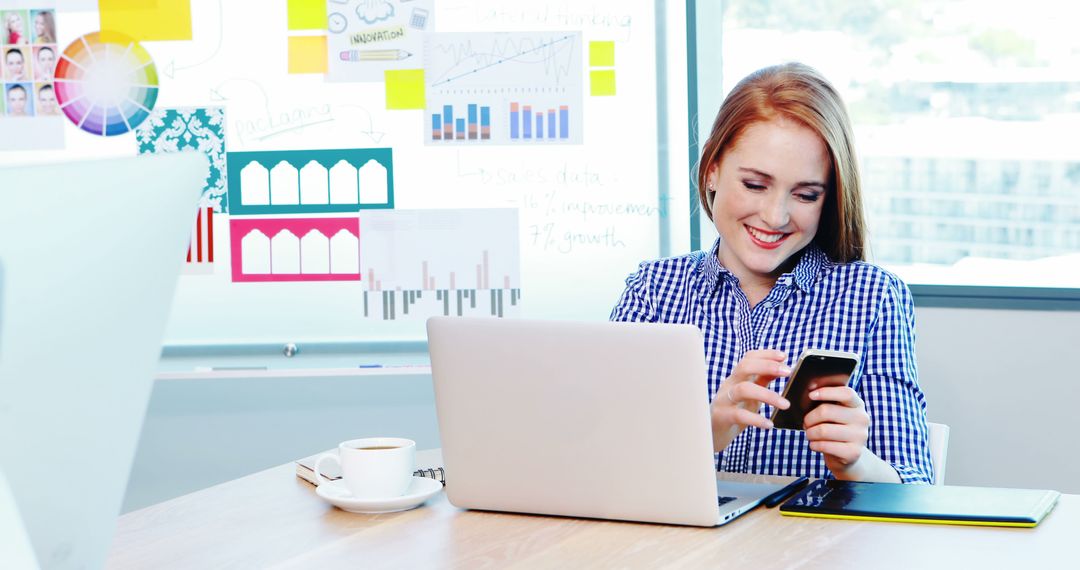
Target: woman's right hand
[740, 396]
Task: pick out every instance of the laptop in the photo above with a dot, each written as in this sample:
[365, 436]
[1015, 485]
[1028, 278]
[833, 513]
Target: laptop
[584, 419]
[91, 253]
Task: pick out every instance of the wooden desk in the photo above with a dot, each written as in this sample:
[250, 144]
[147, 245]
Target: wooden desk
[272, 519]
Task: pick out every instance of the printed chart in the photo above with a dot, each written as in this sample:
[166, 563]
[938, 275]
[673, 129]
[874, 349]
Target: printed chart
[106, 88]
[310, 181]
[519, 88]
[421, 263]
[30, 118]
[369, 37]
[294, 249]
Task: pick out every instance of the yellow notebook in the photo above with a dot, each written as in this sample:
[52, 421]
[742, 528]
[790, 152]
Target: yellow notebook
[933, 504]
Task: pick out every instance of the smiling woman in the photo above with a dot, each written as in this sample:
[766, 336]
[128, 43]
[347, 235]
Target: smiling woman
[779, 179]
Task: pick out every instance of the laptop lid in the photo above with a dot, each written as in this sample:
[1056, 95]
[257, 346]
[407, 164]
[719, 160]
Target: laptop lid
[600, 420]
[91, 254]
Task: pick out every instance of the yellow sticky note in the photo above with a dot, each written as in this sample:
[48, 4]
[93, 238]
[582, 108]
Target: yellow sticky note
[601, 54]
[146, 20]
[404, 88]
[307, 14]
[602, 82]
[307, 54]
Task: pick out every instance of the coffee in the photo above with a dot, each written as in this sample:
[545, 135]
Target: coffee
[381, 475]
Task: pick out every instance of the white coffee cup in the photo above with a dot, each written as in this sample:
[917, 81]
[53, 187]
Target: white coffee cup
[373, 467]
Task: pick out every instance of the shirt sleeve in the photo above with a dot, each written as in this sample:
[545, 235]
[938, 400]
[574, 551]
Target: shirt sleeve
[890, 388]
[636, 303]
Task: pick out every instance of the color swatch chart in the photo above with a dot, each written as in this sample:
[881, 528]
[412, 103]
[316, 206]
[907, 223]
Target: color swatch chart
[422, 263]
[530, 83]
[106, 88]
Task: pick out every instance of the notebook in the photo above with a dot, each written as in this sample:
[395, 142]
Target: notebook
[933, 504]
[305, 469]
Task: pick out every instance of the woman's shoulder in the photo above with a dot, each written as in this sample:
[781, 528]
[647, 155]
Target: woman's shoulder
[869, 276]
[674, 266]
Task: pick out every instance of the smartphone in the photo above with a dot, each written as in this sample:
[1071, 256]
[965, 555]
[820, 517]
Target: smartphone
[815, 369]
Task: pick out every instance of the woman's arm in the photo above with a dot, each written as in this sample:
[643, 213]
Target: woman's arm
[877, 431]
[636, 304]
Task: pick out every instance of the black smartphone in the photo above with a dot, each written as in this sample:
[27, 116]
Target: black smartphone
[815, 369]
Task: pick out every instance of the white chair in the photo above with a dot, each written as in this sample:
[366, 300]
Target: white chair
[939, 449]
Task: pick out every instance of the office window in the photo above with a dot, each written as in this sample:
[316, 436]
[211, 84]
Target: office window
[966, 117]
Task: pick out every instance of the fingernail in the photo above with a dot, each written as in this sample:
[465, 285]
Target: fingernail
[814, 395]
[768, 424]
[784, 404]
[783, 370]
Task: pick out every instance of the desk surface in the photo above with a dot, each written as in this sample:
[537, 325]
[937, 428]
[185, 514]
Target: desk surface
[272, 519]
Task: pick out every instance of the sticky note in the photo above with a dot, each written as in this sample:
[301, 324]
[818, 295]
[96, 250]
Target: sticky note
[602, 82]
[146, 20]
[307, 14]
[307, 54]
[601, 54]
[404, 88]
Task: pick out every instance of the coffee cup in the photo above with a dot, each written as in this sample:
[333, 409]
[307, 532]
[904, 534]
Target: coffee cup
[374, 467]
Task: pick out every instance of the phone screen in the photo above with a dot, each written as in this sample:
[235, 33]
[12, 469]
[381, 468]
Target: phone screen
[814, 371]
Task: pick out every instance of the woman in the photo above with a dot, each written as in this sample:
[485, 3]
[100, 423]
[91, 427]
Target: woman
[14, 25]
[44, 28]
[778, 177]
[46, 64]
[14, 65]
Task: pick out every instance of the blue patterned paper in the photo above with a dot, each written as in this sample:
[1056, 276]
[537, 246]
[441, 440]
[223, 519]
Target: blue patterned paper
[191, 128]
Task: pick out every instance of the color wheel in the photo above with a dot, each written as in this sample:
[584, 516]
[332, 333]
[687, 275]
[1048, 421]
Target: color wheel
[106, 88]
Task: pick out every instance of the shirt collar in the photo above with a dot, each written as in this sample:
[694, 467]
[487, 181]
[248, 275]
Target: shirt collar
[806, 271]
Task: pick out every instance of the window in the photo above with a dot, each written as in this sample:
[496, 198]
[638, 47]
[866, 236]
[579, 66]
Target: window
[966, 117]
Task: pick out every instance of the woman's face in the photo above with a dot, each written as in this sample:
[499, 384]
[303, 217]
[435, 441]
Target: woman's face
[15, 65]
[39, 25]
[15, 23]
[770, 191]
[16, 101]
[46, 62]
[47, 102]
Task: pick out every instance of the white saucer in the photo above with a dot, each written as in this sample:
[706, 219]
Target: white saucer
[337, 494]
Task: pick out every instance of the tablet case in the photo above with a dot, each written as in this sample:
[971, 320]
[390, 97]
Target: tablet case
[933, 504]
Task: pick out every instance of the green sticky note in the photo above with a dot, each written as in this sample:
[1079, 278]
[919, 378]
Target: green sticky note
[404, 88]
[307, 15]
[601, 54]
[602, 82]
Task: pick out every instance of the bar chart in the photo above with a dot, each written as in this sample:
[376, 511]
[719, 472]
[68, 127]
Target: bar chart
[527, 122]
[423, 263]
[474, 125]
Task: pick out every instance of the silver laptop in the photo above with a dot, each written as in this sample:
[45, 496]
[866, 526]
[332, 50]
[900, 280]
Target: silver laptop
[599, 420]
[90, 253]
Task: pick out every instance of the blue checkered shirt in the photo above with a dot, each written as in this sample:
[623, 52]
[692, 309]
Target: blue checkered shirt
[855, 307]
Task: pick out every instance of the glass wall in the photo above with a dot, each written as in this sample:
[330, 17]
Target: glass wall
[966, 114]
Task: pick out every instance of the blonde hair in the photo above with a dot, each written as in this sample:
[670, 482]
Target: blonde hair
[797, 92]
[49, 37]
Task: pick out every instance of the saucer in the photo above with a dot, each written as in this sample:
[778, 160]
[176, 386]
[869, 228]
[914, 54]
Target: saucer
[337, 494]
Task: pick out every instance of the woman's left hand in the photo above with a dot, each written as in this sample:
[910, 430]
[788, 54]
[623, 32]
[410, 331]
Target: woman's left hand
[838, 428]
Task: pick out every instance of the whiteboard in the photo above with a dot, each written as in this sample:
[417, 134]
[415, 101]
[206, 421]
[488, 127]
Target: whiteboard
[585, 214]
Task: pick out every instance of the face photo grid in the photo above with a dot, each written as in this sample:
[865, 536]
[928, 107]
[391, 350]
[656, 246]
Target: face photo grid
[28, 55]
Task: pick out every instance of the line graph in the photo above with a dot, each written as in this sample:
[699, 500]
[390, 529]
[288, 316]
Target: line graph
[467, 55]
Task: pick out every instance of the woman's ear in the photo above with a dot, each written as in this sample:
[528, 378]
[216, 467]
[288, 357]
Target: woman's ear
[712, 178]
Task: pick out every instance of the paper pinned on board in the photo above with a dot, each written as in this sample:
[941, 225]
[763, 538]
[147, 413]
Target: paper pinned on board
[146, 20]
